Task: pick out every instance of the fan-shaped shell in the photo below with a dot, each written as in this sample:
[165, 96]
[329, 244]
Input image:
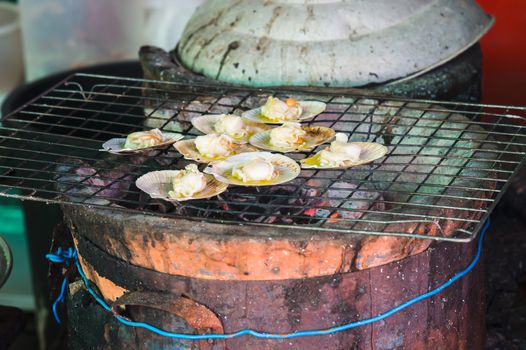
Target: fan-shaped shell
[319, 42]
[189, 151]
[206, 124]
[310, 109]
[157, 184]
[370, 151]
[316, 135]
[286, 169]
[116, 145]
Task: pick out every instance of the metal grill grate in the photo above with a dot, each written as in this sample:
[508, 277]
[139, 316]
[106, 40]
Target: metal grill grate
[447, 166]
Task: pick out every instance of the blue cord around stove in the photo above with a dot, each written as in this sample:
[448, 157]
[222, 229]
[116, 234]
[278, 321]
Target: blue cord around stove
[61, 257]
[69, 255]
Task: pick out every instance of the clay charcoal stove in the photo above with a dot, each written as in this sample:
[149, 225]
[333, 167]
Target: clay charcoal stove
[327, 248]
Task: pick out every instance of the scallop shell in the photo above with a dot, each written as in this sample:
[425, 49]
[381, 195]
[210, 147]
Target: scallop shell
[316, 135]
[189, 151]
[310, 109]
[157, 184]
[206, 124]
[116, 145]
[286, 169]
[370, 152]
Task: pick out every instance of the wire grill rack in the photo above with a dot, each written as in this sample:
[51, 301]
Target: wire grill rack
[448, 163]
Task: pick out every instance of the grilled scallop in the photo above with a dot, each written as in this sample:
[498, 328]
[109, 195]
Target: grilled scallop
[276, 111]
[212, 147]
[342, 154]
[180, 185]
[141, 141]
[292, 137]
[239, 129]
[255, 169]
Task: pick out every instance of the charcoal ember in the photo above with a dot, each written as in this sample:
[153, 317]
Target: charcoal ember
[264, 204]
[168, 158]
[231, 100]
[254, 101]
[161, 206]
[80, 180]
[196, 108]
[341, 202]
[298, 204]
[352, 201]
[177, 115]
[163, 118]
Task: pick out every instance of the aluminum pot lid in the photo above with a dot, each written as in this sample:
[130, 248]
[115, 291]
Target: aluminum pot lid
[327, 43]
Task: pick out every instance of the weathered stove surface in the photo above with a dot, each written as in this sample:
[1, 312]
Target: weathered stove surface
[327, 43]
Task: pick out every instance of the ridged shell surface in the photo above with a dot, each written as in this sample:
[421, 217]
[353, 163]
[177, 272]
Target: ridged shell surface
[286, 169]
[371, 151]
[189, 151]
[310, 109]
[315, 135]
[157, 184]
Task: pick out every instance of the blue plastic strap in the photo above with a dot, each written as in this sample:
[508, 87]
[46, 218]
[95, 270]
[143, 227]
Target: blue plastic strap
[61, 257]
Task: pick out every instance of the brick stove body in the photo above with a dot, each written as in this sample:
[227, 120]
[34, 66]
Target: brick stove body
[270, 280]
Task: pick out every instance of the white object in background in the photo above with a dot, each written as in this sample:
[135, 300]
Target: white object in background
[11, 61]
[65, 34]
[18, 290]
[165, 21]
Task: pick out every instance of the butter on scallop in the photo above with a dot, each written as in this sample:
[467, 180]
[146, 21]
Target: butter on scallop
[339, 152]
[277, 110]
[257, 169]
[214, 145]
[187, 182]
[288, 135]
[144, 139]
[232, 125]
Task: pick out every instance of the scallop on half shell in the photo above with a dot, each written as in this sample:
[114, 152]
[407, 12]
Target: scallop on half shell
[310, 109]
[207, 125]
[116, 145]
[285, 169]
[315, 136]
[188, 149]
[157, 184]
[370, 151]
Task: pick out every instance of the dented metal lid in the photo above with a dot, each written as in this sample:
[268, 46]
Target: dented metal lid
[327, 43]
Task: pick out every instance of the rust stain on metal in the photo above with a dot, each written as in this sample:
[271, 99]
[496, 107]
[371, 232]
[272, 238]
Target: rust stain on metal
[278, 10]
[203, 46]
[212, 22]
[262, 44]
[234, 45]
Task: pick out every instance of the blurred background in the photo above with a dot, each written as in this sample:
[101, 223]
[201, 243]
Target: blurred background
[37, 39]
[41, 37]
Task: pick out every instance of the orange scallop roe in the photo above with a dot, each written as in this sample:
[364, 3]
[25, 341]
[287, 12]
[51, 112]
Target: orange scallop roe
[150, 137]
[291, 102]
